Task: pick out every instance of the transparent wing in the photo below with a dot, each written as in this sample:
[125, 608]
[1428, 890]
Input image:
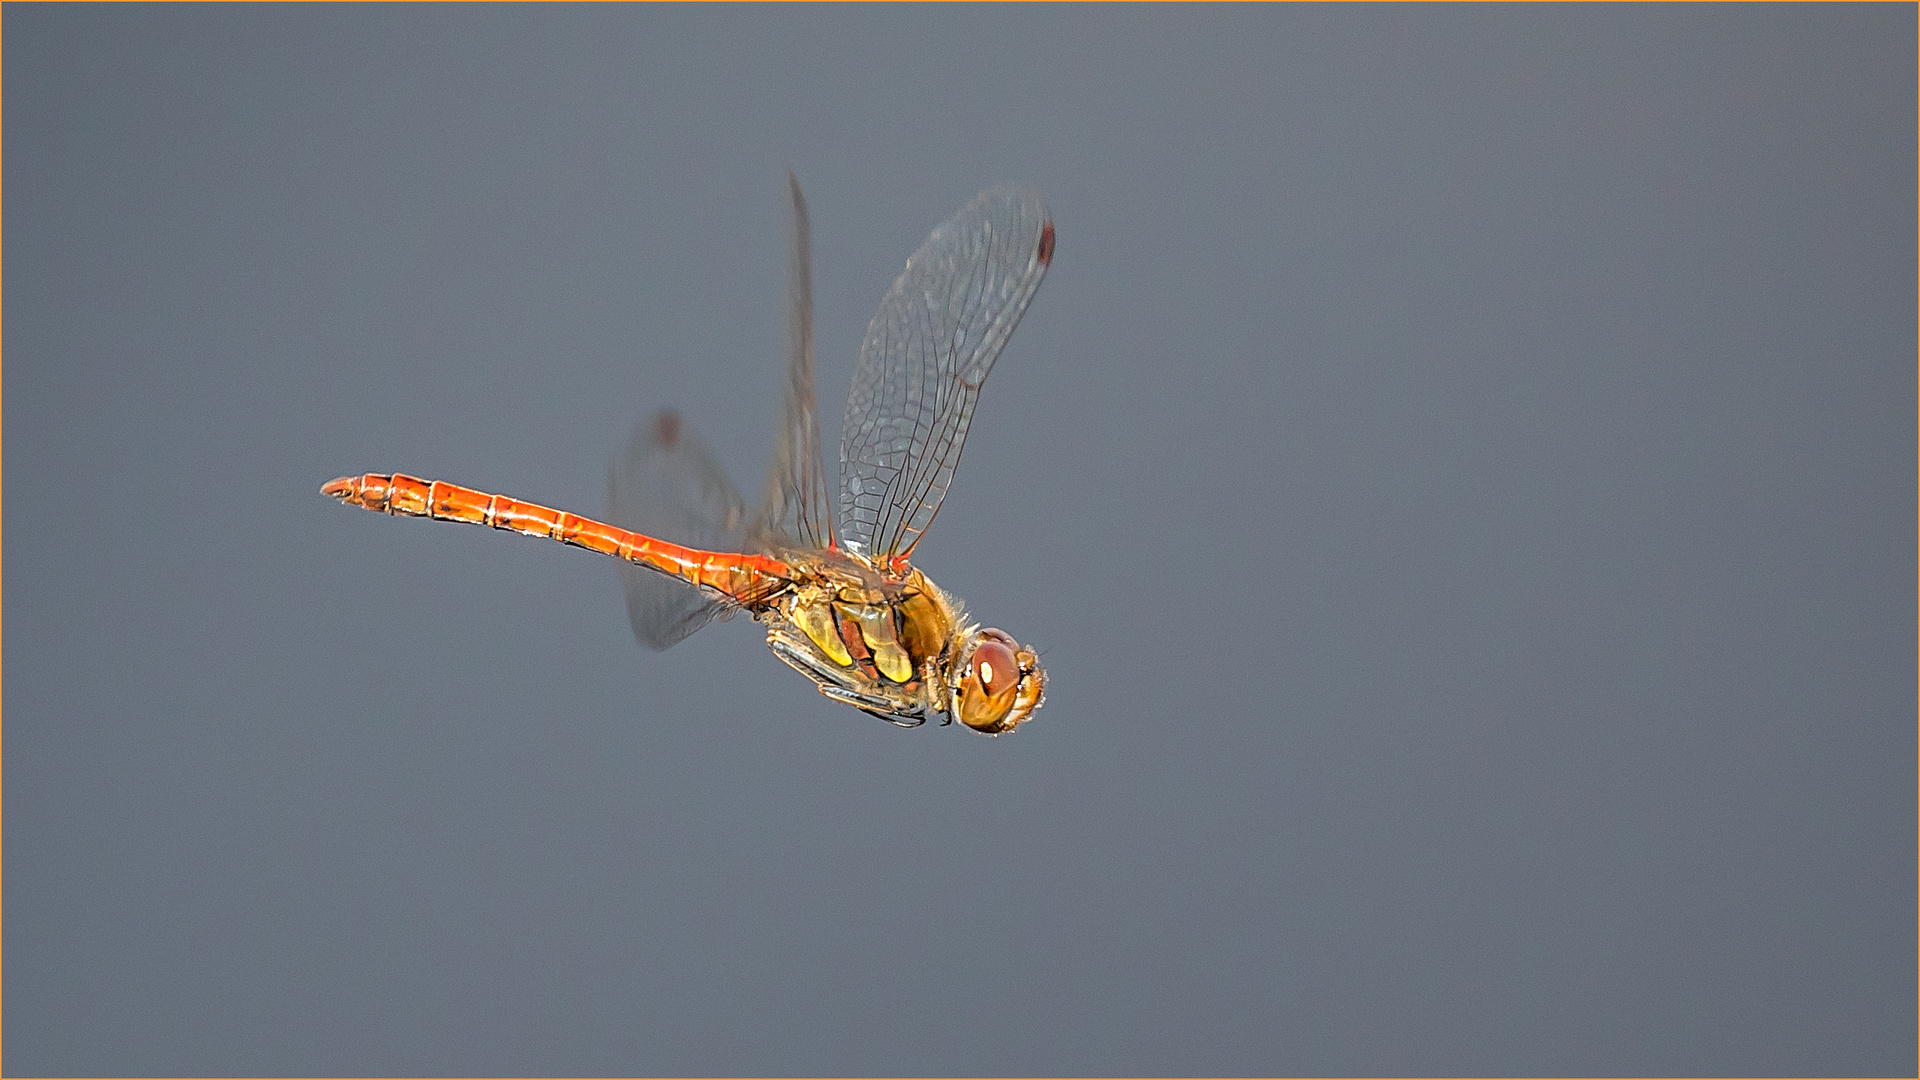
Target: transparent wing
[926, 353]
[667, 484]
[795, 512]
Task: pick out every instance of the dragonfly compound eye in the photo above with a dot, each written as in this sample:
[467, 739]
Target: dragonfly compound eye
[995, 668]
[1002, 684]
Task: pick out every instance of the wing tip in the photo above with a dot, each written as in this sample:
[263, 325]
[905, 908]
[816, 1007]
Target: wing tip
[666, 429]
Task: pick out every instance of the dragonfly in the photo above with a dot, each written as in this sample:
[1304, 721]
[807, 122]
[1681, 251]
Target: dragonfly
[841, 601]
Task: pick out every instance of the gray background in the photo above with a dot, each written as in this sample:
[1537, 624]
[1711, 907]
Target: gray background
[1460, 471]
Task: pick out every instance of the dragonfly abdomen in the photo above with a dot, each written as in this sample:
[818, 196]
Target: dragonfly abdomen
[750, 580]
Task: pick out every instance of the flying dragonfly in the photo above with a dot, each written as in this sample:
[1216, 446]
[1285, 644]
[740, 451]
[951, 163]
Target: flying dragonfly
[843, 606]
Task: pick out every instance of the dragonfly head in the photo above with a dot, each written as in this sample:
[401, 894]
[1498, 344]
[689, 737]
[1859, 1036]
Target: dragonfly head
[997, 684]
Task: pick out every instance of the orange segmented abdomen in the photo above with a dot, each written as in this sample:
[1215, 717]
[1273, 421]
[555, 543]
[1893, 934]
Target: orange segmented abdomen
[747, 579]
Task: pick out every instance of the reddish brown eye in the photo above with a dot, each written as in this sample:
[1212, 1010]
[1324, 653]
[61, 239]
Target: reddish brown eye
[995, 666]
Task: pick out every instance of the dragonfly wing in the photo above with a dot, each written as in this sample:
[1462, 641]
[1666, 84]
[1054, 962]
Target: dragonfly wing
[667, 484]
[933, 342]
[795, 511]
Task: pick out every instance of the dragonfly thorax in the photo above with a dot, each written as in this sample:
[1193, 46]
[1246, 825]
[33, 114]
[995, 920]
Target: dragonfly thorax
[900, 647]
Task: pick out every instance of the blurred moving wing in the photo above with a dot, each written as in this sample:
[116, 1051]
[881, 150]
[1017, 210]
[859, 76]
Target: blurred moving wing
[667, 485]
[795, 512]
[936, 336]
